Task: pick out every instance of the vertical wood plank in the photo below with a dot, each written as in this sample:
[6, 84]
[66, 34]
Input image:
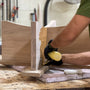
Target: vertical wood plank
[35, 45]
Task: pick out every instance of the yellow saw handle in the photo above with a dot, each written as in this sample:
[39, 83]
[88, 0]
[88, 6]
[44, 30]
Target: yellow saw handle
[55, 55]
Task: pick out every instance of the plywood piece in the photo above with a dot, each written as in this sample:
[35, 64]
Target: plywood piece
[64, 74]
[43, 38]
[36, 73]
[16, 44]
[81, 44]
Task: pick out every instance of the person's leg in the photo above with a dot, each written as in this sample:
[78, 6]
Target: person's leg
[77, 59]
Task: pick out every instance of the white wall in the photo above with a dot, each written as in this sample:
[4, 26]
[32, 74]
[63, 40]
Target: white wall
[62, 12]
[58, 10]
[25, 8]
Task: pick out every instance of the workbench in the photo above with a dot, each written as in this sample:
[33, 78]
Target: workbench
[10, 79]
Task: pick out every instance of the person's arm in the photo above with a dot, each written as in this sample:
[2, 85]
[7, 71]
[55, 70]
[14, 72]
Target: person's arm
[69, 34]
[72, 30]
[77, 59]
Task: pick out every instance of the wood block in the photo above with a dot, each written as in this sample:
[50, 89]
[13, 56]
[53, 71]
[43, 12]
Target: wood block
[35, 73]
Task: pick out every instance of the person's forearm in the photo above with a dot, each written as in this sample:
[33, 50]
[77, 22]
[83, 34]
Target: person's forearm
[77, 59]
[72, 30]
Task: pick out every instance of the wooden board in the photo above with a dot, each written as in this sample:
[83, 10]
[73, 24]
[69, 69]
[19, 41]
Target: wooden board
[16, 44]
[43, 38]
[35, 73]
[58, 74]
[35, 45]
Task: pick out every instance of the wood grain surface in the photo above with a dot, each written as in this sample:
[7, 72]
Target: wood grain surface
[43, 38]
[16, 44]
[33, 46]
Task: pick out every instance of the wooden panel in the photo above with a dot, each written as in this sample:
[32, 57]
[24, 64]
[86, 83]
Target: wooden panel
[16, 49]
[81, 44]
[16, 43]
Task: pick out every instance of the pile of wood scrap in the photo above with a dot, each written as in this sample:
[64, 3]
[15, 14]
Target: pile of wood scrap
[57, 74]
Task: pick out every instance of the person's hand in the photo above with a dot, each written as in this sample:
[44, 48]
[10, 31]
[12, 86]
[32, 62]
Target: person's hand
[49, 49]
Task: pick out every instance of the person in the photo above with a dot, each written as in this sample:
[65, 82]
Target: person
[78, 23]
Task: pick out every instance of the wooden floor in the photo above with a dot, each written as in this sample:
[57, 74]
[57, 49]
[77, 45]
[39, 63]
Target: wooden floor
[13, 80]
